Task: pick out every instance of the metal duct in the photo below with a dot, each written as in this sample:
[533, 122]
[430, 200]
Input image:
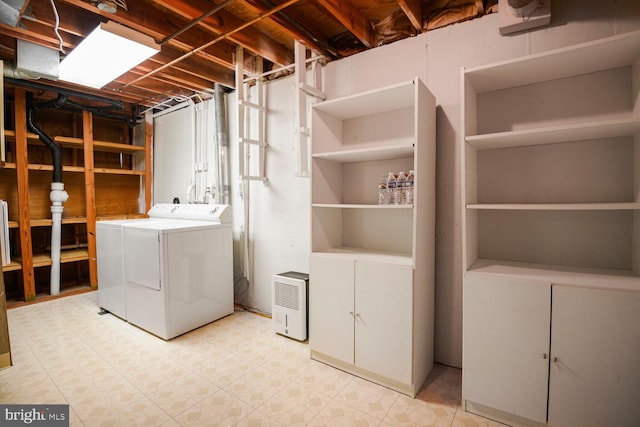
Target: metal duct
[10, 11]
[222, 139]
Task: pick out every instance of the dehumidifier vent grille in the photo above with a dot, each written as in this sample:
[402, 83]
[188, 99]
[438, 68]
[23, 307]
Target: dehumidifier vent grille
[286, 295]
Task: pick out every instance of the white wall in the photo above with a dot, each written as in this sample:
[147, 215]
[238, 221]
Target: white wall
[279, 209]
[172, 155]
[279, 225]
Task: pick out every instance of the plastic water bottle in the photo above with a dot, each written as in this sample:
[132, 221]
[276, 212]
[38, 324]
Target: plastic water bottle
[391, 189]
[383, 198]
[409, 187]
[401, 188]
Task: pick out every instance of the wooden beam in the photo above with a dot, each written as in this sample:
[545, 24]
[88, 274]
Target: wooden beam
[219, 38]
[413, 10]
[90, 196]
[24, 210]
[351, 18]
[250, 39]
[312, 41]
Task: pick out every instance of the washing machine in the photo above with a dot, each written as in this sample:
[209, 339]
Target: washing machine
[178, 268]
[110, 259]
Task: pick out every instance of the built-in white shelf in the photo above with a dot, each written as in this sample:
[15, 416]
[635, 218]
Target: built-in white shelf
[359, 206]
[550, 155]
[556, 206]
[555, 134]
[613, 279]
[368, 255]
[360, 250]
[370, 102]
[614, 52]
[369, 154]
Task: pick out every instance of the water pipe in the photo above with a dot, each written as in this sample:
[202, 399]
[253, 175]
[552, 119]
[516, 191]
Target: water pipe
[57, 196]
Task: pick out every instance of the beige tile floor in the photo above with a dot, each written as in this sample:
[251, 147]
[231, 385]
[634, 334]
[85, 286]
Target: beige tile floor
[234, 371]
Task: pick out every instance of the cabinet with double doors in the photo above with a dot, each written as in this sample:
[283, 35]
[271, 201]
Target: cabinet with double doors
[543, 352]
[372, 266]
[550, 172]
[104, 173]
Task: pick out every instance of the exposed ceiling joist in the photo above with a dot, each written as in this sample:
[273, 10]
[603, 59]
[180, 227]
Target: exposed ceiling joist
[199, 37]
[413, 10]
[356, 22]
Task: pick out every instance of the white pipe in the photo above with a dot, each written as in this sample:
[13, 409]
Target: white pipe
[57, 196]
[193, 197]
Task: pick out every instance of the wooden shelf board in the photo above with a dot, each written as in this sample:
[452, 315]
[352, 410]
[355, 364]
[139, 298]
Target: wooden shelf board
[40, 167]
[118, 171]
[555, 134]
[562, 275]
[43, 222]
[69, 141]
[42, 260]
[13, 224]
[8, 165]
[113, 147]
[557, 206]
[13, 265]
[368, 154]
[11, 135]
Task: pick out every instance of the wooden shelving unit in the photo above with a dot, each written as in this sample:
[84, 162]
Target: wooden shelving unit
[105, 179]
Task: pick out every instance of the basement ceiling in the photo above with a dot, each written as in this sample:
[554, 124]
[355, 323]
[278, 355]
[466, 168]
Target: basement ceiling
[199, 37]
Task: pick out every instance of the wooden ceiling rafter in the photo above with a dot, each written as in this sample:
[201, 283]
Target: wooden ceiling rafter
[218, 39]
[150, 26]
[354, 21]
[199, 37]
[413, 10]
[250, 39]
[286, 24]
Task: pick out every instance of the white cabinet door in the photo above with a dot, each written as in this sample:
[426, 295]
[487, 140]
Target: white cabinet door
[506, 343]
[595, 350]
[331, 306]
[383, 309]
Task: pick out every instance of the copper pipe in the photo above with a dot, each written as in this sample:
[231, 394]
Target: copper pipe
[214, 41]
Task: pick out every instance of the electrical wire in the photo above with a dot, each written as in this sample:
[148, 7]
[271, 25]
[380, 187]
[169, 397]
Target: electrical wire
[55, 12]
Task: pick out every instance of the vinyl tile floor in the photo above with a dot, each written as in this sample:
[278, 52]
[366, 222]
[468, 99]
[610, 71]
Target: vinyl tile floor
[234, 371]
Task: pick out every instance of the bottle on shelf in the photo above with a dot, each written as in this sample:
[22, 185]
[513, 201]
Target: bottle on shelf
[391, 189]
[401, 187]
[383, 198]
[409, 187]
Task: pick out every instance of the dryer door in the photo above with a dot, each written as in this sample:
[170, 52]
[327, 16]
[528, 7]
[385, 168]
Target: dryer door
[142, 257]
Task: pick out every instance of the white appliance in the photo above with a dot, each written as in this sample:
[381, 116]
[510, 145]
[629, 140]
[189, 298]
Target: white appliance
[110, 259]
[289, 315]
[179, 268]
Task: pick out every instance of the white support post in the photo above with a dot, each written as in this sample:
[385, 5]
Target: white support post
[303, 89]
[246, 111]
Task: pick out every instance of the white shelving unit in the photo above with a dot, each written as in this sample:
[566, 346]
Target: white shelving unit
[551, 198]
[372, 266]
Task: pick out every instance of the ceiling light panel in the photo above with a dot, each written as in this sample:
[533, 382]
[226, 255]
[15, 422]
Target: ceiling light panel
[105, 54]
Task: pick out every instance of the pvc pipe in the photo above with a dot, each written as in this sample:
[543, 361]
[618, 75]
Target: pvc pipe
[57, 196]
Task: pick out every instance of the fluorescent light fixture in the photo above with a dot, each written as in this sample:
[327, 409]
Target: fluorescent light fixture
[105, 54]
